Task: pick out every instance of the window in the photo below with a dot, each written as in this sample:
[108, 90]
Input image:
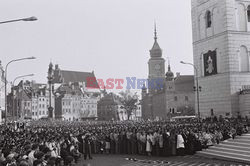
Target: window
[243, 59]
[208, 19]
[248, 13]
[186, 98]
[241, 18]
[175, 98]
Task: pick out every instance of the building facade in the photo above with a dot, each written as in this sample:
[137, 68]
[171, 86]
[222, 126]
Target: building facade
[172, 97]
[74, 99]
[221, 43]
[28, 100]
[40, 100]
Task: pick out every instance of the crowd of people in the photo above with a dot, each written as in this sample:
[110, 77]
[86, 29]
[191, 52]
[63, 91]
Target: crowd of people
[57, 143]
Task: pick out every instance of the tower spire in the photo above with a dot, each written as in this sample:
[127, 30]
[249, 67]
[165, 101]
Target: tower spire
[155, 32]
[169, 68]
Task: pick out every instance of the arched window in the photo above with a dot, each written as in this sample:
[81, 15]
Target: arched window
[241, 17]
[208, 19]
[248, 13]
[243, 59]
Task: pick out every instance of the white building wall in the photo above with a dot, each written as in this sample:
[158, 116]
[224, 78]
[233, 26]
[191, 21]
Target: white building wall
[228, 35]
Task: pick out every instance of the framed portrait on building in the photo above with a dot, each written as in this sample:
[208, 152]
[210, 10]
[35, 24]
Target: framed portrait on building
[210, 63]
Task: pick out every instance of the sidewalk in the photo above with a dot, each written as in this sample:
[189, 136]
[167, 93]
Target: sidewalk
[122, 160]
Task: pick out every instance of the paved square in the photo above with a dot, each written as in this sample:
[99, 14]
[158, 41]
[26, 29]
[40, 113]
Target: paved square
[125, 160]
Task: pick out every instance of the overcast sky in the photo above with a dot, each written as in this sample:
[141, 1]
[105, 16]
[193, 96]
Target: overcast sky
[111, 37]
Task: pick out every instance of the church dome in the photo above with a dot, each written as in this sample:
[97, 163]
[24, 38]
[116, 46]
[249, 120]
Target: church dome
[169, 74]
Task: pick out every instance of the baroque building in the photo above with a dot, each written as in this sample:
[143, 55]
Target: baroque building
[169, 96]
[221, 43]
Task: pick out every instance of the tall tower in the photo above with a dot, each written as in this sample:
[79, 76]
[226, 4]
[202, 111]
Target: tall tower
[169, 84]
[156, 65]
[221, 43]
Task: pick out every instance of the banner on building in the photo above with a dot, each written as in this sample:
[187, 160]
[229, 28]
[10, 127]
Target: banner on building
[210, 63]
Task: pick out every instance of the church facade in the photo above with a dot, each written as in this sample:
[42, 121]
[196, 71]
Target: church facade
[166, 95]
[221, 44]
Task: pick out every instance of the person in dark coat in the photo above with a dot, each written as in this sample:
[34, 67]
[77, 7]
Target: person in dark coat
[87, 142]
[166, 144]
[173, 142]
[80, 144]
[190, 143]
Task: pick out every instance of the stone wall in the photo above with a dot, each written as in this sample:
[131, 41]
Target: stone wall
[227, 34]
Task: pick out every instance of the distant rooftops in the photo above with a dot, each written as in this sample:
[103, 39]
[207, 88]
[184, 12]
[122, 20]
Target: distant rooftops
[66, 77]
[184, 83]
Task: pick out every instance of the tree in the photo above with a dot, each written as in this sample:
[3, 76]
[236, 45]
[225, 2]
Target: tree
[129, 102]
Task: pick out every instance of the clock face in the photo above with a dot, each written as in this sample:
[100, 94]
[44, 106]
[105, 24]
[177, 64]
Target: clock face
[157, 67]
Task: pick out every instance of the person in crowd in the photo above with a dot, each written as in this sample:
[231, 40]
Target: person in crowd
[57, 143]
[87, 141]
[149, 138]
[180, 144]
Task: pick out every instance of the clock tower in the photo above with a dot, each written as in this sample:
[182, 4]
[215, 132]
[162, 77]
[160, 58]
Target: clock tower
[156, 66]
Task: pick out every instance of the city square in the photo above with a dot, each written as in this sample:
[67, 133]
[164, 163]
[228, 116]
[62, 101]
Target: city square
[125, 83]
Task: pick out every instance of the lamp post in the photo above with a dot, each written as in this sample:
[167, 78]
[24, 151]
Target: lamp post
[9, 21]
[27, 75]
[13, 84]
[5, 81]
[22, 19]
[197, 87]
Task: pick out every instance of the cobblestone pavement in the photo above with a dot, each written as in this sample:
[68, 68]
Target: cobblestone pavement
[126, 160]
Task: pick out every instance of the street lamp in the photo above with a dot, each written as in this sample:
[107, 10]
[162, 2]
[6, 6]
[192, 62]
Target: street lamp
[22, 19]
[27, 75]
[13, 84]
[9, 21]
[197, 86]
[5, 81]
